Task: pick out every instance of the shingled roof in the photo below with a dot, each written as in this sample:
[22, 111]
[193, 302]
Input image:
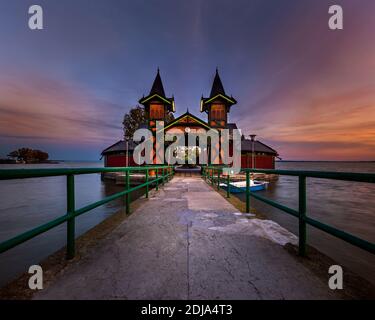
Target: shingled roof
[246, 145]
[157, 93]
[217, 92]
[119, 146]
[231, 126]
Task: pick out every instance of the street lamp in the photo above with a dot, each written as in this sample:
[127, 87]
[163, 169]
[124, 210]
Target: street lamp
[127, 151]
[252, 138]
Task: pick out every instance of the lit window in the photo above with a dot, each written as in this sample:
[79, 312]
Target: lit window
[157, 111]
[218, 112]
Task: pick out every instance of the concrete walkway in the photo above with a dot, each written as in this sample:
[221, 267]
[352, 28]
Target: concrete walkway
[188, 242]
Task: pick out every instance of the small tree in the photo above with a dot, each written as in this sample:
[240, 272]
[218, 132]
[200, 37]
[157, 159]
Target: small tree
[28, 155]
[40, 155]
[135, 118]
[25, 154]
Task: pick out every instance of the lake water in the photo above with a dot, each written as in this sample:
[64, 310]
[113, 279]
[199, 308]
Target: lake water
[349, 206]
[28, 203]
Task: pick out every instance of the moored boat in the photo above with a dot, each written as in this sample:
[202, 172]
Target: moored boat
[240, 186]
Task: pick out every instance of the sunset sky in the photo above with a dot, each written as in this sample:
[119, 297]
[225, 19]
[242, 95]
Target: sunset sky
[305, 90]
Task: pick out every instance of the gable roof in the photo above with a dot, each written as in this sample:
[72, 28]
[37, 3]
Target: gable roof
[120, 146]
[187, 115]
[246, 145]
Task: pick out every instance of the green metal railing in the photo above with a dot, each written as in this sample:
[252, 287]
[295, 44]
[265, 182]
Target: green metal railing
[72, 212]
[210, 173]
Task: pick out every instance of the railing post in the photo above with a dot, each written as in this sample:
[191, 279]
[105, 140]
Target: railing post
[218, 179]
[70, 252]
[228, 185]
[157, 179]
[147, 183]
[128, 194]
[247, 191]
[302, 215]
[163, 180]
[212, 176]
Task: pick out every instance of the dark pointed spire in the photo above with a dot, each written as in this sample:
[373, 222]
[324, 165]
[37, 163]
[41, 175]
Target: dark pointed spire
[217, 85]
[157, 87]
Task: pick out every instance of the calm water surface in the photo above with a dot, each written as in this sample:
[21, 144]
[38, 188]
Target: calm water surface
[28, 203]
[349, 206]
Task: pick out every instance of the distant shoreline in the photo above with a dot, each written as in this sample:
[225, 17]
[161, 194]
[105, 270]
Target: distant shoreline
[9, 161]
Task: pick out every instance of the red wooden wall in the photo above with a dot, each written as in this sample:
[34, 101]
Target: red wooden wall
[261, 162]
[118, 161]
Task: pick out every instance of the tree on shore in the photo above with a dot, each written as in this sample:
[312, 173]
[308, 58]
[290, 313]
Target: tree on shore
[29, 155]
[134, 118]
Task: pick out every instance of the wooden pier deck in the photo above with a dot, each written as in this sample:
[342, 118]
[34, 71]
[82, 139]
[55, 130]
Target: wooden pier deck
[188, 242]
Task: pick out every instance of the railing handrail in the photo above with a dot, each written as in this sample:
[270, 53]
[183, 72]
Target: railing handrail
[10, 174]
[301, 213]
[72, 212]
[335, 175]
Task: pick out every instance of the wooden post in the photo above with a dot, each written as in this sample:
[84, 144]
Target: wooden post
[71, 221]
[247, 191]
[128, 194]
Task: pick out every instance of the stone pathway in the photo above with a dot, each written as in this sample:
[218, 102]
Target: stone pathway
[188, 242]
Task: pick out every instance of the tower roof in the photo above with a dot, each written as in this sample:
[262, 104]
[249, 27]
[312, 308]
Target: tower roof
[157, 86]
[217, 93]
[217, 86]
[157, 93]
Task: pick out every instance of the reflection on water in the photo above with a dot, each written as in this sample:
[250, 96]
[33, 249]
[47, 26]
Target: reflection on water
[349, 206]
[28, 203]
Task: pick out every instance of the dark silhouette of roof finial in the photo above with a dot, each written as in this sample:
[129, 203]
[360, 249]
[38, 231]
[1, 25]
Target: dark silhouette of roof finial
[217, 85]
[157, 87]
